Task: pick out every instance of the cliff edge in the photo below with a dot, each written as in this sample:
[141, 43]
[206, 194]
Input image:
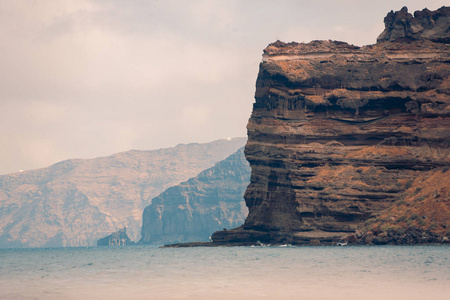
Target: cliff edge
[351, 143]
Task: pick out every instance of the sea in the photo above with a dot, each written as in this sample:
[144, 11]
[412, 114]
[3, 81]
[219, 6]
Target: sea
[286, 272]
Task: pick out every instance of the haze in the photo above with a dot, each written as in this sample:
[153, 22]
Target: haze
[82, 79]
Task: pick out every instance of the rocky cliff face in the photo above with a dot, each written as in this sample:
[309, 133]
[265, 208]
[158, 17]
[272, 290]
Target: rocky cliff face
[194, 209]
[340, 134]
[425, 24]
[75, 202]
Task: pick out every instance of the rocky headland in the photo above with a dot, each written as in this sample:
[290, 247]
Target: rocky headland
[351, 144]
[196, 208]
[76, 202]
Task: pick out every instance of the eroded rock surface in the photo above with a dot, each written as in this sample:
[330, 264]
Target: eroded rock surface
[425, 24]
[339, 132]
[194, 209]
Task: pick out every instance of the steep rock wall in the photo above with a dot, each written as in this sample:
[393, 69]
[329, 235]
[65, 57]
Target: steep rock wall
[337, 135]
[194, 209]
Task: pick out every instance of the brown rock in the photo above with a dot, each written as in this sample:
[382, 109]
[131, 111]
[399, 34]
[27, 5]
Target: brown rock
[338, 133]
[352, 239]
[368, 239]
[315, 242]
[425, 24]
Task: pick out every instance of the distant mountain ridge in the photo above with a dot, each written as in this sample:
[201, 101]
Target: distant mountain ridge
[195, 209]
[76, 202]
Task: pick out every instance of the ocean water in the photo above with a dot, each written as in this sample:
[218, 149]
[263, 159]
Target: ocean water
[146, 272]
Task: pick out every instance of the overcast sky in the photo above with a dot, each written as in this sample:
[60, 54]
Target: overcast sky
[82, 79]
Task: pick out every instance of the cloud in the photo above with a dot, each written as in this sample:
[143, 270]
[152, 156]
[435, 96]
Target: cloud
[194, 117]
[90, 78]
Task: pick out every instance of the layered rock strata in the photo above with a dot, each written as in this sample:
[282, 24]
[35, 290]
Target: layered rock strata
[338, 133]
[195, 209]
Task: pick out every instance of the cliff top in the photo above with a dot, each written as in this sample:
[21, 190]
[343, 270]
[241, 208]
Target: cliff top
[425, 24]
[426, 31]
[324, 50]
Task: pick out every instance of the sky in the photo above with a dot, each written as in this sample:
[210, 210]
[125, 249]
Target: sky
[85, 78]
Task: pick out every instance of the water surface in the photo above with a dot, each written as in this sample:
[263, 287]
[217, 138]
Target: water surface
[146, 272]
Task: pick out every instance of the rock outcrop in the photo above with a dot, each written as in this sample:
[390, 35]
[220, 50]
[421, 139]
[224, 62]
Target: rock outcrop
[76, 202]
[425, 24]
[194, 209]
[341, 134]
[118, 238]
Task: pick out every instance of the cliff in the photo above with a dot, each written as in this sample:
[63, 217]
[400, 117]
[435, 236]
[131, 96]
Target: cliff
[194, 209]
[76, 202]
[425, 24]
[352, 143]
